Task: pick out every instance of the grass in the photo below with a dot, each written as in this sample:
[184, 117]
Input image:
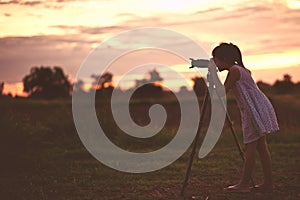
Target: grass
[43, 158]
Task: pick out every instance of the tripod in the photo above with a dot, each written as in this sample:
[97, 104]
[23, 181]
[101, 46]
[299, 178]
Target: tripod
[208, 92]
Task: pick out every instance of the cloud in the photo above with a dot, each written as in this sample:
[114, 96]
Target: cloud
[258, 28]
[19, 54]
[209, 10]
[63, 1]
[261, 29]
[31, 3]
[92, 30]
[25, 3]
[126, 15]
[8, 2]
[56, 4]
[290, 16]
[253, 9]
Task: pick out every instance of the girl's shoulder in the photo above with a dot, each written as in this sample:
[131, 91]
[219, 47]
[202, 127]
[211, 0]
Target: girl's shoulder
[240, 69]
[235, 69]
[234, 73]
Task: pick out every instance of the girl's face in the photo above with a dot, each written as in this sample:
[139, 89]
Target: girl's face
[221, 64]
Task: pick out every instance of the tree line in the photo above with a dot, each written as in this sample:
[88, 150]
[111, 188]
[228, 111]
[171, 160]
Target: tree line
[52, 83]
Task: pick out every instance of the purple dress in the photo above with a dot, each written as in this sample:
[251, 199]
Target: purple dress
[257, 113]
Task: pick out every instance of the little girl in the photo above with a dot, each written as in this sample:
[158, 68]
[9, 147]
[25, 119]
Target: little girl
[257, 114]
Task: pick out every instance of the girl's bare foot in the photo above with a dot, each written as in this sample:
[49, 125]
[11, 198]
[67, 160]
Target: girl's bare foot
[237, 188]
[263, 187]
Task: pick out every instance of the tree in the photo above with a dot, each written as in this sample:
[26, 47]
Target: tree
[147, 91]
[183, 89]
[265, 87]
[103, 81]
[47, 82]
[149, 87]
[78, 86]
[154, 77]
[1, 88]
[103, 85]
[199, 86]
[285, 86]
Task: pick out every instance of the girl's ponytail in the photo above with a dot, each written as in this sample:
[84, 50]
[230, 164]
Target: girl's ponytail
[237, 55]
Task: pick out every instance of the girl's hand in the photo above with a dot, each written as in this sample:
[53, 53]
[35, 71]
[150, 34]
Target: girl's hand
[212, 68]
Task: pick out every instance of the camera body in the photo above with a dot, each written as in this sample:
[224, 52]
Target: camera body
[200, 63]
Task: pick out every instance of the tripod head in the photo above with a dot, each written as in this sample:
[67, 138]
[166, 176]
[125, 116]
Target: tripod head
[210, 65]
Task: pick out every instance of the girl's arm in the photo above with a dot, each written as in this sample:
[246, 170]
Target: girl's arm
[218, 84]
[232, 76]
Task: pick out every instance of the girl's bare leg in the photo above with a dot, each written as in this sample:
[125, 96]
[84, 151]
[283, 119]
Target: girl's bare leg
[248, 164]
[265, 158]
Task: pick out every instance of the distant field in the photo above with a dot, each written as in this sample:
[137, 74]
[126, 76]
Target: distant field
[43, 157]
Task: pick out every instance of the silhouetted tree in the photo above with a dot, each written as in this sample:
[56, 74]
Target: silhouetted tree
[155, 76]
[149, 87]
[297, 88]
[106, 80]
[265, 87]
[1, 88]
[148, 91]
[140, 82]
[103, 85]
[79, 86]
[103, 81]
[47, 82]
[183, 89]
[199, 86]
[285, 86]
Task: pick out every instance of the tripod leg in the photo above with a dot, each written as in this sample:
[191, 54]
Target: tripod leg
[234, 135]
[195, 143]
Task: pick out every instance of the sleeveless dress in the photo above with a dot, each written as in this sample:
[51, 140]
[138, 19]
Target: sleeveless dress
[257, 113]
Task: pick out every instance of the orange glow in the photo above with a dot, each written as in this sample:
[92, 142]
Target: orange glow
[274, 60]
[14, 89]
[293, 4]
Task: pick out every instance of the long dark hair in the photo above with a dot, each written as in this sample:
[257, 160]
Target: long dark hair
[229, 52]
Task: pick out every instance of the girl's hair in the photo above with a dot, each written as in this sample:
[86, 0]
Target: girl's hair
[228, 52]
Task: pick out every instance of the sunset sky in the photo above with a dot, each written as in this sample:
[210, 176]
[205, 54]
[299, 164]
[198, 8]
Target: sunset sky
[63, 32]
